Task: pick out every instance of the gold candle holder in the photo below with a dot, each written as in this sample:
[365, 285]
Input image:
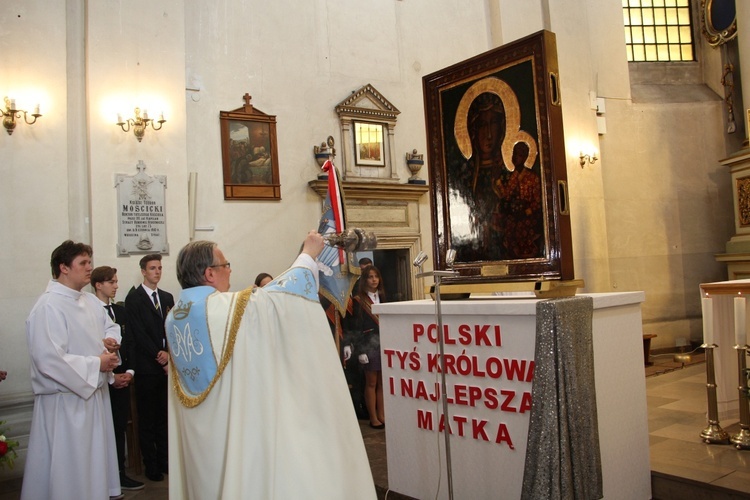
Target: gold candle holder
[741, 440]
[713, 433]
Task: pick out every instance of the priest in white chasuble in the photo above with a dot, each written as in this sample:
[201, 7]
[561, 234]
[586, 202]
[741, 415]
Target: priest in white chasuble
[259, 407]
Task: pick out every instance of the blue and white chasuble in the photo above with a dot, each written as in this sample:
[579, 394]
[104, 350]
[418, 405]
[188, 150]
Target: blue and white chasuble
[258, 396]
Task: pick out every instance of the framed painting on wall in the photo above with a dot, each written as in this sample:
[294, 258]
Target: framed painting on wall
[249, 154]
[497, 165]
[368, 144]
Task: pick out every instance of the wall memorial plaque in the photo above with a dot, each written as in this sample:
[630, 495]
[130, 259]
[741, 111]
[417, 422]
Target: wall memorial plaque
[497, 165]
[142, 225]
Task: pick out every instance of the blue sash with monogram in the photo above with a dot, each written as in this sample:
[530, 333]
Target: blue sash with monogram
[194, 366]
[189, 340]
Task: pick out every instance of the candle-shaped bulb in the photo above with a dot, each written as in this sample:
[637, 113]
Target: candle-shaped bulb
[740, 321]
[145, 114]
[161, 116]
[119, 118]
[36, 109]
[13, 104]
[708, 321]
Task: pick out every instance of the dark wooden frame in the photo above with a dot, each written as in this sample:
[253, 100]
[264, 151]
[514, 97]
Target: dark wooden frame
[529, 92]
[244, 180]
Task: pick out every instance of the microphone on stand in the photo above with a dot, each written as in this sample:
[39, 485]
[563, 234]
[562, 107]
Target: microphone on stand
[420, 259]
[450, 258]
[352, 240]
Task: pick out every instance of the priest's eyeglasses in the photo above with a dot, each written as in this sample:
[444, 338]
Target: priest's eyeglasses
[227, 265]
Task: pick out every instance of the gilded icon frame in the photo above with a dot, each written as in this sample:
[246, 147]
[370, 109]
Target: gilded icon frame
[506, 223]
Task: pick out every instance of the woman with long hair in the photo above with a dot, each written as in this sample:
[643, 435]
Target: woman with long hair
[367, 343]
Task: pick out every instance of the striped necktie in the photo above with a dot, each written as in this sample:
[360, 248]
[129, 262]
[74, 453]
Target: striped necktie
[156, 301]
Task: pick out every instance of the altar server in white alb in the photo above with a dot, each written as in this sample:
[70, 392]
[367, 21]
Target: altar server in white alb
[260, 407]
[73, 343]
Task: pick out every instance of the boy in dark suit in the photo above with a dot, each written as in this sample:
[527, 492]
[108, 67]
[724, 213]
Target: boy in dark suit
[104, 283]
[147, 307]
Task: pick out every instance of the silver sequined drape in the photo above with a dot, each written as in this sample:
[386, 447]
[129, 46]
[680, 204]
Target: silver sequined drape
[562, 458]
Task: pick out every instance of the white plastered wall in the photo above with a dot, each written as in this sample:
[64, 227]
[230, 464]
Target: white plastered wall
[649, 215]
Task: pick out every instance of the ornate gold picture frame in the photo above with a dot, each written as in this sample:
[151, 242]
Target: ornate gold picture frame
[718, 21]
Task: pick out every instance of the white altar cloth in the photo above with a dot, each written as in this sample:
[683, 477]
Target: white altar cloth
[490, 343]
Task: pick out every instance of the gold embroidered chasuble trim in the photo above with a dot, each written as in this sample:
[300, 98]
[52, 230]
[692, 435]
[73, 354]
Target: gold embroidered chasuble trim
[240, 302]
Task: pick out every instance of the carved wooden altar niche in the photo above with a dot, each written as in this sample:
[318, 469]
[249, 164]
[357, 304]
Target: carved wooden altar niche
[250, 160]
[497, 165]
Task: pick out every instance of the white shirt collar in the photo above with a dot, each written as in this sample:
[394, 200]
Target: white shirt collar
[374, 297]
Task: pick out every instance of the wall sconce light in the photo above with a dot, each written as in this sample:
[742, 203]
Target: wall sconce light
[10, 113]
[590, 158]
[139, 123]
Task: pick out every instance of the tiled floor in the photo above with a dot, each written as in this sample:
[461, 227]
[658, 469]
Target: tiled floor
[374, 441]
[676, 412]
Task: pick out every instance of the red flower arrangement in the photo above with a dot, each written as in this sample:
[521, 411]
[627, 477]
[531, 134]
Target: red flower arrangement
[8, 453]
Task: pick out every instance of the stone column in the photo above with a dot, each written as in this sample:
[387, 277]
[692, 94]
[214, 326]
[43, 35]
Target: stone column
[743, 45]
[79, 199]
